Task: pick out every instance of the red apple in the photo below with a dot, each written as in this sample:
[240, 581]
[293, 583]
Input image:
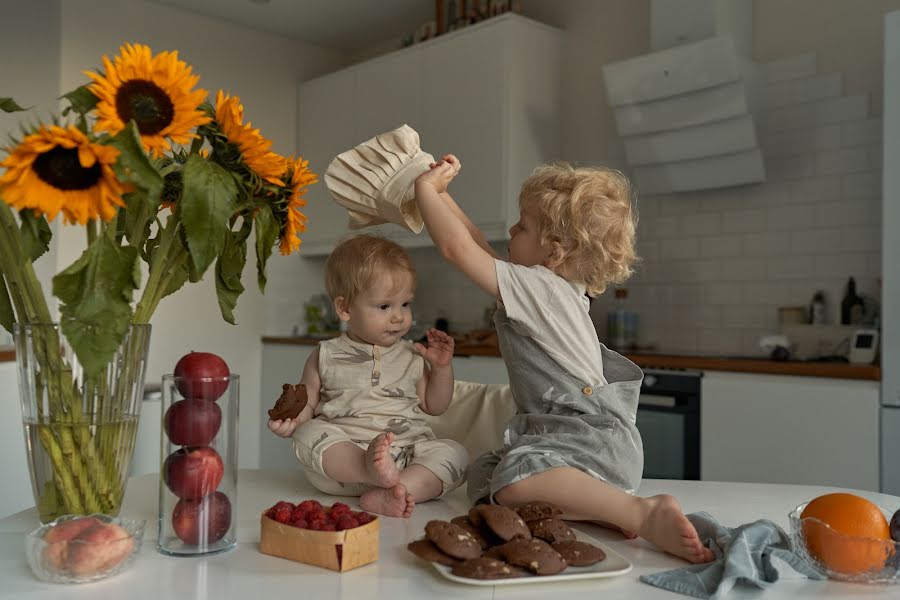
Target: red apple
[203, 521]
[193, 422]
[195, 369]
[193, 473]
[98, 549]
[57, 538]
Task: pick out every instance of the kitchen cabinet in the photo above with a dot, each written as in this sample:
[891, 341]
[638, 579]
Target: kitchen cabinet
[14, 466]
[281, 363]
[801, 430]
[480, 369]
[489, 93]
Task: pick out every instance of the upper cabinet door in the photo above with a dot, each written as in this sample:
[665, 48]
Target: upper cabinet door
[327, 128]
[389, 94]
[463, 87]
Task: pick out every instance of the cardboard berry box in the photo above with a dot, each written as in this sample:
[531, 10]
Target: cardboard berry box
[336, 550]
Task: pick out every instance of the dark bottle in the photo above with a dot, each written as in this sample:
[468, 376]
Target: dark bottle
[851, 305]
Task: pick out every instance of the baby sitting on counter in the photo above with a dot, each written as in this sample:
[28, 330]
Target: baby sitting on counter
[362, 430]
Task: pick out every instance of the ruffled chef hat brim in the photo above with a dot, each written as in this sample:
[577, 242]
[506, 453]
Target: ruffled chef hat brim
[374, 181]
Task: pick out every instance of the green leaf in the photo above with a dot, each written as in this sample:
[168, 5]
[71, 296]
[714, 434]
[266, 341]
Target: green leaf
[206, 205]
[96, 292]
[36, 234]
[9, 105]
[267, 230]
[133, 164]
[228, 273]
[81, 100]
[7, 314]
[139, 214]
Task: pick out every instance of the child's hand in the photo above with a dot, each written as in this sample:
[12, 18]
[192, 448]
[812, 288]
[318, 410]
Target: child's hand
[441, 174]
[439, 352]
[285, 428]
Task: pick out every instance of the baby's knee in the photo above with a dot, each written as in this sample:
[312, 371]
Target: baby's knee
[513, 494]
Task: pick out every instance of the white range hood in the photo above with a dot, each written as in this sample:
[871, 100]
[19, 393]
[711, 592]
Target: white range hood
[685, 111]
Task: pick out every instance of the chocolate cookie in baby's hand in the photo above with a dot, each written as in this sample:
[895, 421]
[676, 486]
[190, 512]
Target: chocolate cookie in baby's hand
[292, 400]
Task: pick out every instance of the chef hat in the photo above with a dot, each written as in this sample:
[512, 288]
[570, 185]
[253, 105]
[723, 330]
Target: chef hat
[374, 181]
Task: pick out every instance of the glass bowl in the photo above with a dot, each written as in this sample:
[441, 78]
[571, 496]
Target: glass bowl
[868, 560]
[79, 549]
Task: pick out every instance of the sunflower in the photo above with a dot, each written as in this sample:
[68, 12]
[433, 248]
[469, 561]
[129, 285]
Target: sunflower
[154, 91]
[253, 147]
[295, 221]
[59, 169]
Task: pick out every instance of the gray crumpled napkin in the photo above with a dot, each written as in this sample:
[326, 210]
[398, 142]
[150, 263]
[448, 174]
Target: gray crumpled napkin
[743, 554]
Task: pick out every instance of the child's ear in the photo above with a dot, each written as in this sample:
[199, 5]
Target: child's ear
[342, 308]
[556, 256]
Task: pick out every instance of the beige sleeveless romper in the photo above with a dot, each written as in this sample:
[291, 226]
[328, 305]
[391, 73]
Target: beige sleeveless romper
[368, 390]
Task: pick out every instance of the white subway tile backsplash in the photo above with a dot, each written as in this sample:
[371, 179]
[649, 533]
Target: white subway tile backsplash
[842, 213]
[840, 110]
[815, 241]
[678, 204]
[723, 293]
[648, 250]
[798, 91]
[789, 117]
[861, 239]
[696, 317]
[862, 185]
[766, 294]
[660, 227]
[842, 265]
[712, 342]
[802, 141]
[720, 246]
[740, 317]
[767, 243]
[858, 133]
[675, 249]
[817, 189]
[701, 224]
[791, 67]
[789, 267]
[744, 269]
[789, 218]
[790, 167]
[739, 221]
[875, 155]
[846, 160]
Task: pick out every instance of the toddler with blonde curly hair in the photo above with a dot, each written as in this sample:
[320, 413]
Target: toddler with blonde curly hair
[574, 441]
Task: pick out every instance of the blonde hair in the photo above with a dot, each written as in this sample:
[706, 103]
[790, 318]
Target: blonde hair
[590, 213]
[355, 264]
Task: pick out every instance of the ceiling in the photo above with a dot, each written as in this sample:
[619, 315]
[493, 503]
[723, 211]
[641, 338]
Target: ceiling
[347, 25]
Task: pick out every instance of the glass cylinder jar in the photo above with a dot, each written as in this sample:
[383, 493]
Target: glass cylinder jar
[199, 463]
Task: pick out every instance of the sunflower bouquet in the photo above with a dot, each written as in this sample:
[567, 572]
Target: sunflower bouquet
[154, 173]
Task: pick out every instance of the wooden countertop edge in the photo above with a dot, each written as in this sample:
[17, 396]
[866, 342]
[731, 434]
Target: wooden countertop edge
[699, 363]
[7, 355]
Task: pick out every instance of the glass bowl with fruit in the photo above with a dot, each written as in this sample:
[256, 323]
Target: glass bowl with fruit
[79, 549]
[848, 538]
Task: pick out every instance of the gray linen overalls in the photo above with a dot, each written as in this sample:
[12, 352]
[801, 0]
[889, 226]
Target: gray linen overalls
[562, 421]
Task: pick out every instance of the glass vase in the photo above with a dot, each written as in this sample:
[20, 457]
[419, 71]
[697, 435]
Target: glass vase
[80, 429]
[199, 465]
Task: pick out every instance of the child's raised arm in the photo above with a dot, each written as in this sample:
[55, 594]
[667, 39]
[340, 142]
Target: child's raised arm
[310, 378]
[435, 389]
[449, 232]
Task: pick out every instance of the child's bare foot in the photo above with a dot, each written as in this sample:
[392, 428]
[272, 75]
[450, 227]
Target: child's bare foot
[379, 463]
[393, 502]
[666, 526]
[629, 535]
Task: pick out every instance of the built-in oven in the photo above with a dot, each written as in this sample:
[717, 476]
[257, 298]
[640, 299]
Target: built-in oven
[668, 418]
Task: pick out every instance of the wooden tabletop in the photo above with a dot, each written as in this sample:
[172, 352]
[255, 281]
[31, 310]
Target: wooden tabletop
[699, 363]
[7, 355]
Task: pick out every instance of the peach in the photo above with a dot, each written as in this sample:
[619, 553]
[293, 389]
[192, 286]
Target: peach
[98, 549]
[57, 538]
[193, 473]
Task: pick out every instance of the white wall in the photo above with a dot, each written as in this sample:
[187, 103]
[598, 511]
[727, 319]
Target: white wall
[46, 45]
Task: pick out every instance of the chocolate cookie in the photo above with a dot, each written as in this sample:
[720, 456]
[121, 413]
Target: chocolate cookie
[486, 568]
[485, 539]
[425, 549]
[453, 539]
[501, 520]
[289, 404]
[535, 555]
[551, 530]
[579, 554]
[535, 511]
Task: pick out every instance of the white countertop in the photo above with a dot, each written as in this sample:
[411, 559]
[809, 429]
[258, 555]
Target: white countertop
[245, 573]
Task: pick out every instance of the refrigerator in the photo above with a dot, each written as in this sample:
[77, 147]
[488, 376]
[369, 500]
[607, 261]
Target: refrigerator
[890, 263]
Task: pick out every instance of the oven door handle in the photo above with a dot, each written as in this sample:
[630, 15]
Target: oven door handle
[660, 401]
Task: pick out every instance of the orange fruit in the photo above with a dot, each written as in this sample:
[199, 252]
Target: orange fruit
[852, 542]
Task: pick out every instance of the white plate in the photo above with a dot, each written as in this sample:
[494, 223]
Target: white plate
[614, 564]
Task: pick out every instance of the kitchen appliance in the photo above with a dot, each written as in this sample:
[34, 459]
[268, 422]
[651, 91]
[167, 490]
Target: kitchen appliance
[863, 346]
[669, 421]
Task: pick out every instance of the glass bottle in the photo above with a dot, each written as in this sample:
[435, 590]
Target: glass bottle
[851, 305]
